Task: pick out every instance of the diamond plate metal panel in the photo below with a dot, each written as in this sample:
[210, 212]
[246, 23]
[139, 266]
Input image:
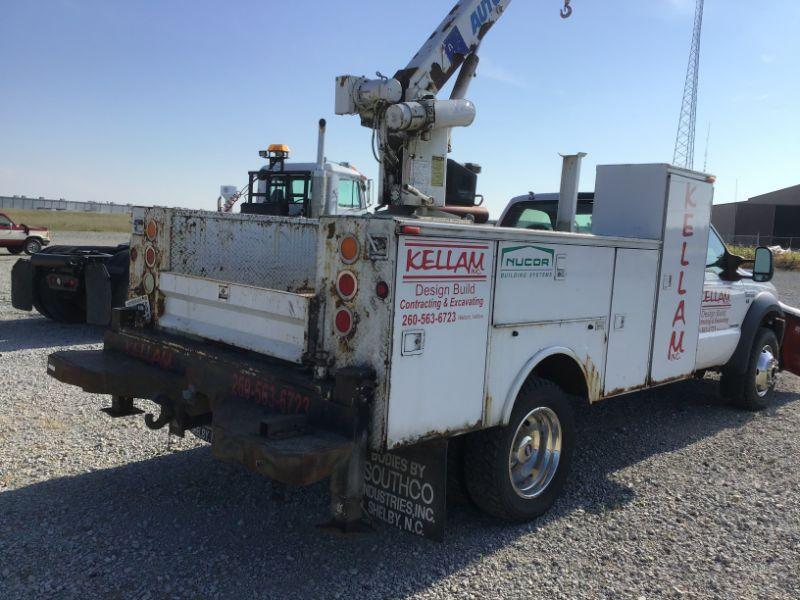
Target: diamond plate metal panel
[270, 252]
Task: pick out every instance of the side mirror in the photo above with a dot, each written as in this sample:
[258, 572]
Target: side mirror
[763, 266]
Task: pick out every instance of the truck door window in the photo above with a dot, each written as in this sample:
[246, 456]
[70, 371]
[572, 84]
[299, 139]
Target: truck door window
[301, 190]
[348, 193]
[5, 222]
[715, 253]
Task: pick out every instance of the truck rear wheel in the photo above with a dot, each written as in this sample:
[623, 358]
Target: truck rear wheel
[753, 389]
[516, 472]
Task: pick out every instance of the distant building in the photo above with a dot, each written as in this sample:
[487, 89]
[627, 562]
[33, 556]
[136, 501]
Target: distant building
[772, 218]
[40, 203]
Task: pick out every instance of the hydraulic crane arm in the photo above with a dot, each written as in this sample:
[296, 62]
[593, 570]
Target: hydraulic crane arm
[411, 128]
[456, 37]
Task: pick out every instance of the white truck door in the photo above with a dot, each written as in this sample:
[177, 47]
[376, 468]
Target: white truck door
[441, 322]
[630, 324]
[680, 285]
[722, 310]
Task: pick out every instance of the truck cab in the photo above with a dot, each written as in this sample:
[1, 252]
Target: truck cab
[288, 190]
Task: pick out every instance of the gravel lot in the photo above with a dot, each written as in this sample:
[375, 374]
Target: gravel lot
[673, 494]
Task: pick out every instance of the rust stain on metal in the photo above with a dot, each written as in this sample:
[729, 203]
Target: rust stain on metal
[670, 380]
[485, 29]
[594, 381]
[434, 434]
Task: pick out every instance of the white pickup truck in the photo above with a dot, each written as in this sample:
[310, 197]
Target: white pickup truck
[368, 348]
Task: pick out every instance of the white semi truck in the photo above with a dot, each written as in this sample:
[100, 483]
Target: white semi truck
[385, 350]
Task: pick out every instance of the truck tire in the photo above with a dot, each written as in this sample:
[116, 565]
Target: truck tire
[33, 245]
[516, 472]
[51, 305]
[15, 249]
[753, 389]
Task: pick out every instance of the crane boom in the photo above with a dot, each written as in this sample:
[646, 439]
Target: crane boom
[456, 37]
[411, 128]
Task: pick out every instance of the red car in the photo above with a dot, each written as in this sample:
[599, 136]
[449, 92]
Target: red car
[17, 238]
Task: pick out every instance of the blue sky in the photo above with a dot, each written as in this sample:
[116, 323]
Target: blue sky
[161, 102]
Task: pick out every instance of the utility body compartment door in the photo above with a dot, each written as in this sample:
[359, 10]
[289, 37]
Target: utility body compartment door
[549, 299]
[630, 325]
[442, 304]
[680, 285]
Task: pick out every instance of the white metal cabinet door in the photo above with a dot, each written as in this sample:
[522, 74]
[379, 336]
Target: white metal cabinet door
[630, 325]
[442, 303]
[680, 285]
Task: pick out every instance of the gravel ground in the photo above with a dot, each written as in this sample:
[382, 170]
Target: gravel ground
[673, 494]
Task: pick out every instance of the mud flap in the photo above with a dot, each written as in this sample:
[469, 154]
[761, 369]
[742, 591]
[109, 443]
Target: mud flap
[406, 488]
[790, 350]
[98, 294]
[22, 285]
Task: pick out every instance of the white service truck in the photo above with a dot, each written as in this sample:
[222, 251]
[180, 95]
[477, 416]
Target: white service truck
[386, 350]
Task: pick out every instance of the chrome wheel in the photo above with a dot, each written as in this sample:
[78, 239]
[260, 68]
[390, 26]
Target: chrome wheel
[535, 452]
[766, 369]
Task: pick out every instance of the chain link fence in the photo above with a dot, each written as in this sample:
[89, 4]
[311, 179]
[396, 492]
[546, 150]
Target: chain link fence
[788, 243]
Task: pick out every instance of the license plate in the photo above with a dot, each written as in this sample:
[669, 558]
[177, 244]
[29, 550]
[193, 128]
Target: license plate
[204, 432]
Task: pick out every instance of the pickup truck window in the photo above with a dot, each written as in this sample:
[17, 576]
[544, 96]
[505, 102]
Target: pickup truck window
[716, 250]
[534, 219]
[541, 214]
[5, 222]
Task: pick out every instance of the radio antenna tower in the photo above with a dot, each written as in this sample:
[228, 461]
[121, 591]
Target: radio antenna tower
[684, 141]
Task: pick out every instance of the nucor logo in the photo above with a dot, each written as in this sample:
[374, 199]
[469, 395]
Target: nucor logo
[525, 257]
[452, 260]
[481, 14]
[526, 262]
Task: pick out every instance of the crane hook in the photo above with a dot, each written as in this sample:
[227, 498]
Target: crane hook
[566, 12]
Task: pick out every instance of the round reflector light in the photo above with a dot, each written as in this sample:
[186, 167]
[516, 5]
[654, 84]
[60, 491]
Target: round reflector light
[149, 283]
[346, 285]
[348, 249]
[152, 229]
[150, 256]
[382, 290]
[344, 321]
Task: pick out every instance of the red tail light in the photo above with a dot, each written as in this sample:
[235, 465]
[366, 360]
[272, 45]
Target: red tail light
[346, 285]
[343, 321]
[150, 256]
[62, 282]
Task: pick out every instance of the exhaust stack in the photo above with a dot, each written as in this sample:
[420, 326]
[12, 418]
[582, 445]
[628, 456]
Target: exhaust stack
[568, 194]
[321, 144]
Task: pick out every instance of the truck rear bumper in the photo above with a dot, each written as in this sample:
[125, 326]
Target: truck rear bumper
[268, 417]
